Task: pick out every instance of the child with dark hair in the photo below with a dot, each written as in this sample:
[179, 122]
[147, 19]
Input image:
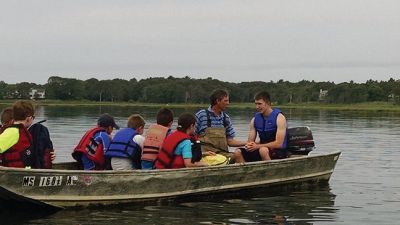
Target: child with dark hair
[42, 153]
[7, 118]
[155, 137]
[16, 141]
[90, 150]
[176, 151]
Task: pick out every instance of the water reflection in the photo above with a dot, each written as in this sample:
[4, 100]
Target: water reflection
[284, 205]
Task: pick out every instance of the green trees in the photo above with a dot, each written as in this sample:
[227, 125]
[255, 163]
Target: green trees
[65, 88]
[3, 91]
[190, 90]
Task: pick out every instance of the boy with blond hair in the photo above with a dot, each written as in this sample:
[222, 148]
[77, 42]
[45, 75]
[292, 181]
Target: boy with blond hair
[125, 148]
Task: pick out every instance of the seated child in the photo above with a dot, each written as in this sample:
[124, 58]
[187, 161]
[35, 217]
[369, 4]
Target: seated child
[7, 118]
[42, 151]
[90, 150]
[155, 136]
[125, 148]
[16, 141]
[179, 146]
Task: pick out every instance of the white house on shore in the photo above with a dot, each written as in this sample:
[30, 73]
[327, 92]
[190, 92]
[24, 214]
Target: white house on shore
[37, 94]
[322, 95]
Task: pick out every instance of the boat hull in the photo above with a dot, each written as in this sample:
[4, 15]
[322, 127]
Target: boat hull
[71, 188]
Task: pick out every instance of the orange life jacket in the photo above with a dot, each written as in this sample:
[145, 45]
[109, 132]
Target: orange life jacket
[166, 158]
[153, 142]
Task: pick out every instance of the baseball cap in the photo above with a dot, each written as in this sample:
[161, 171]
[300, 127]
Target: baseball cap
[105, 120]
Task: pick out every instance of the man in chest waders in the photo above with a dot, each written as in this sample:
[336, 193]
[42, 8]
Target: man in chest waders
[214, 126]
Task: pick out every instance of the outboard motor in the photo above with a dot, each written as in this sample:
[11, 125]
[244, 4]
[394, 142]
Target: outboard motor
[300, 140]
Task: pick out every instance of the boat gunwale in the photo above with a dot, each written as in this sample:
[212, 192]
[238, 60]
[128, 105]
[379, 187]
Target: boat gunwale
[161, 171]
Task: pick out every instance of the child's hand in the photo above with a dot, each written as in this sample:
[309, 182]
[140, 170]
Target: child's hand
[53, 155]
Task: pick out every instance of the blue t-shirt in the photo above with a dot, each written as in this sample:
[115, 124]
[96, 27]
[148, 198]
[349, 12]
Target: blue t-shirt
[184, 149]
[216, 121]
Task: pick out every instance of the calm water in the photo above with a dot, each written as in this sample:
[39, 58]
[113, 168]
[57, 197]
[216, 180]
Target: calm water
[364, 189]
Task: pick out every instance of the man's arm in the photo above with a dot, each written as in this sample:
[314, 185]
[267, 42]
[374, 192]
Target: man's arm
[252, 132]
[199, 125]
[280, 133]
[251, 145]
[235, 143]
[230, 134]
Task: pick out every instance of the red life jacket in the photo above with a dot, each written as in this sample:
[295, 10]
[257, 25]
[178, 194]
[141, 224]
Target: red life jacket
[153, 142]
[20, 154]
[93, 150]
[166, 158]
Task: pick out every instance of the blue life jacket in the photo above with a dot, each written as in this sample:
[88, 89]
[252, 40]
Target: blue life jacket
[267, 128]
[123, 146]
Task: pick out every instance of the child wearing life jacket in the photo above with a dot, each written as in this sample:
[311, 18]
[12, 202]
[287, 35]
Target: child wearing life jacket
[126, 146]
[155, 136]
[176, 150]
[90, 150]
[16, 141]
[6, 118]
[43, 152]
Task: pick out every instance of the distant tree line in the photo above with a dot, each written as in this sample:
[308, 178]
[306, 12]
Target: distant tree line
[190, 90]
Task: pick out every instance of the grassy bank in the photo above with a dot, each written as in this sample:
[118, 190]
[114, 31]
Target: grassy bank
[374, 106]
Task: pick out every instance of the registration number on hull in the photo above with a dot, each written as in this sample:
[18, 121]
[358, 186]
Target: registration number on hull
[49, 181]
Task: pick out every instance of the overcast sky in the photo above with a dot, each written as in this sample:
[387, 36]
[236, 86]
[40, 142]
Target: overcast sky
[236, 41]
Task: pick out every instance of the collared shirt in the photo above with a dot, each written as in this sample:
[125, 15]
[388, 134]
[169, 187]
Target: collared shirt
[8, 138]
[216, 121]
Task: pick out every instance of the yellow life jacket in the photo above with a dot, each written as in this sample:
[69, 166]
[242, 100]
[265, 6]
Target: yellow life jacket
[215, 160]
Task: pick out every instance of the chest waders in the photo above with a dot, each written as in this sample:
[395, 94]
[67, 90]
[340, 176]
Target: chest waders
[214, 138]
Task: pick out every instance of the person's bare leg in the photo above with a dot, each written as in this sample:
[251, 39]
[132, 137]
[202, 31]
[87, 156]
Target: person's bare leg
[264, 153]
[238, 156]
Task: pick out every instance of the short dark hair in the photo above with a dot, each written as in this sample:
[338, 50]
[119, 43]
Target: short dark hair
[106, 120]
[218, 94]
[22, 109]
[264, 95]
[185, 120]
[7, 115]
[164, 116]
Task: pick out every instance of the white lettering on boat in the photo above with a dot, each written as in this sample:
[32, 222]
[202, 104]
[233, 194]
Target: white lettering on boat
[28, 181]
[71, 180]
[50, 181]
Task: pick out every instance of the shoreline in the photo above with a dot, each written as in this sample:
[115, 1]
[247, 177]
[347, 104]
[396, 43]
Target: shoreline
[370, 106]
